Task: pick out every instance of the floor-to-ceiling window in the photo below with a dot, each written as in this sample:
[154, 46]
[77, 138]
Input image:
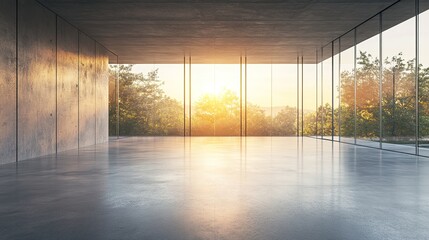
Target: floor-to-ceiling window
[150, 99]
[423, 79]
[326, 95]
[258, 99]
[193, 99]
[283, 94]
[398, 78]
[347, 87]
[336, 90]
[319, 94]
[215, 100]
[368, 83]
[309, 97]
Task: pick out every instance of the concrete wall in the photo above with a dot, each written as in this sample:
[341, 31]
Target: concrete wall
[7, 81]
[86, 90]
[102, 94]
[59, 77]
[36, 80]
[67, 86]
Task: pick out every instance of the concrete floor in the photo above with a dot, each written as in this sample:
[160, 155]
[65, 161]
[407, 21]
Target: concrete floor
[217, 188]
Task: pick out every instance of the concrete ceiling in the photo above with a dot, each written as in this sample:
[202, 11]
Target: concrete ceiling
[219, 31]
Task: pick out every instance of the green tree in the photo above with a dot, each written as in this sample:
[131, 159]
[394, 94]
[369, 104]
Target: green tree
[258, 124]
[217, 115]
[144, 108]
[284, 123]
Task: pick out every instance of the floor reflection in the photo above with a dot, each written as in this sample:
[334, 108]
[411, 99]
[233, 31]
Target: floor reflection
[217, 188]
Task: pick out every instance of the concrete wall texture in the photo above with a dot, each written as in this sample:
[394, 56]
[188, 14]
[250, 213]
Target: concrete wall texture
[102, 94]
[7, 81]
[86, 90]
[53, 83]
[67, 86]
[36, 80]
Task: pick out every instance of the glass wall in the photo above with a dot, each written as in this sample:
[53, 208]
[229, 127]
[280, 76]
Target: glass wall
[423, 79]
[319, 94]
[258, 99]
[327, 97]
[336, 90]
[347, 87]
[378, 88]
[368, 83]
[398, 81]
[215, 100]
[113, 100]
[362, 89]
[151, 100]
[204, 99]
[283, 95]
[310, 97]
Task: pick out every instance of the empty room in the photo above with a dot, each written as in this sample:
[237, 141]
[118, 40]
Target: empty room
[214, 119]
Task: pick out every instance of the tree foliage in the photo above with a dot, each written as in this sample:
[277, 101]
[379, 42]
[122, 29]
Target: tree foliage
[145, 109]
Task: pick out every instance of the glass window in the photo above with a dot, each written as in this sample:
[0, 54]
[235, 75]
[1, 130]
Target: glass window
[319, 95]
[283, 100]
[424, 78]
[258, 99]
[336, 91]
[327, 93]
[215, 99]
[368, 83]
[309, 105]
[398, 81]
[347, 88]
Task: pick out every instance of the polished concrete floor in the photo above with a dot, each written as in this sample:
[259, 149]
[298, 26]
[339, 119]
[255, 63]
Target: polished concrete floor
[217, 188]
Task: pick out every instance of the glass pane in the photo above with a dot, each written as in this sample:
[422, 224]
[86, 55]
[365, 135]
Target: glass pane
[319, 99]
[327, 92]
[424, 78]
[284, 99]
[151, 100]
[215, 99]
[367, 83]
[398, 82]
[258, 99]
[310, 100]
[336, 91]
[113, 70]
[347, 89]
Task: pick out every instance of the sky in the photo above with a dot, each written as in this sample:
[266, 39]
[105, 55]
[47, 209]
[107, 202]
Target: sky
[281, 79]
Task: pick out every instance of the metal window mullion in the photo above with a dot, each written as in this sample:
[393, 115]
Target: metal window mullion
[332, 92]
[302, 95]
[317, 93]
[184, 95]
[190, 95]
[380, 80]
[245, 95]
[321, 97]
[241, 95]
[355, 85]
[297, 96]
[417, 77]
[339, 90]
